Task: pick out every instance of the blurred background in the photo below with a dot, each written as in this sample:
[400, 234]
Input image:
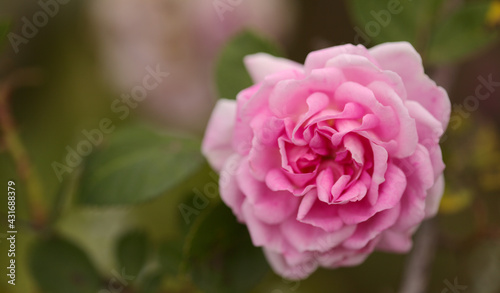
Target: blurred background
[103, 104]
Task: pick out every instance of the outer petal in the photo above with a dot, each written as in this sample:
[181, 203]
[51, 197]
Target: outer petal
[280, 266]
[407, 137]
[304, 237]
[261, 65]
[262, 234]
[318, 59]
[395, 241]
[230, 192]
[434, 197]
[403, 59]
[368, 230]
[217, 141]
[251, 102]
[268, 206]
[341, 256]
[428, 127]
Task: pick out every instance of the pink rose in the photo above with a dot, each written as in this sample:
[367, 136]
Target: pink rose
[328, 161]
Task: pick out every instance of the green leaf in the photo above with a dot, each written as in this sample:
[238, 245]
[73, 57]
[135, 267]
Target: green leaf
[58, 266]
[231, 74]
[379, 21]
[220, 255]
[462, 34]
[151, 282]
[132, 252]
[138, 165]
[171, 257]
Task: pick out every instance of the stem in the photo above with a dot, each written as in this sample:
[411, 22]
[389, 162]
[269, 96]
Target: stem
[16, 148]
[415, 276]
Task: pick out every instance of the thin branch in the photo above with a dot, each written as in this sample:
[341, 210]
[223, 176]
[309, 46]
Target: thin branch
[15, 147]
[416, 273]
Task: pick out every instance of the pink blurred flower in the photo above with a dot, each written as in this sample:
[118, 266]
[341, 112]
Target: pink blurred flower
[183, 38]
[328, 161]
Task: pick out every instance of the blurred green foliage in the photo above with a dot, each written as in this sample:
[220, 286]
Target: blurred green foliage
[391, 21]
[132, 251]
[220, 255]
[440, 32]
[59, 266]
[461, 34]
[231, 74]
[137, 164]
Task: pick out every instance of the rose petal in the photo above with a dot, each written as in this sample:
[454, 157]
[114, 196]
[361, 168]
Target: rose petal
[261, 65]
[288, 99]
[268, 206]
[371, 228]
[434, 195]
[319, 214]
[318, 59]
[305, 237]
[217, 141]
[230, 192]
[280, 266]
[262, 234]
[403, 59]
[390, 193]
[393, 241]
